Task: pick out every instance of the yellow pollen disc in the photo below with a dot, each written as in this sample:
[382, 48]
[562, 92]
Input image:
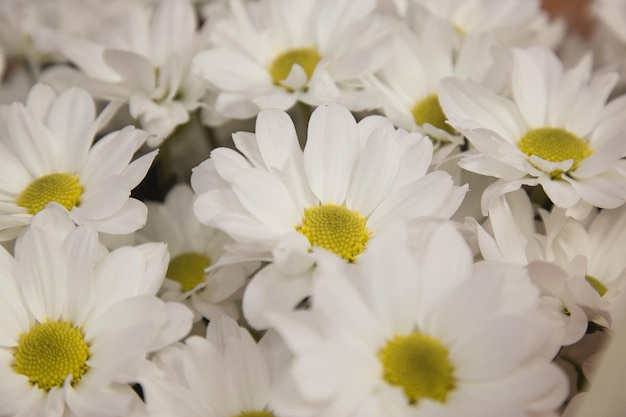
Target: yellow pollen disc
[429, 111]
[420, 365]
[335, 228]
[307, 58]
[51, 351]
[596, 285]
[188, 270]
[555, 145]
[255, 414]
[61, 188]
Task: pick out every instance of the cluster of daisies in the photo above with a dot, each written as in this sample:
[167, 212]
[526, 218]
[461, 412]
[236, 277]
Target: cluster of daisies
[310, 208]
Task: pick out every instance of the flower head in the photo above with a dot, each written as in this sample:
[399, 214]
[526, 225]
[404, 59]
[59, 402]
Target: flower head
[143, 61]
[273, 53]
[557, 132]
[351, 181]
[419, 334]
[48, 155]
[78, 322]
[222, 375]
[194, 276]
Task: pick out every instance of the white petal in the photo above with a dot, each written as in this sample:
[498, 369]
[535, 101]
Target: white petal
[70, 121]
[172, 30]
[422, 197]
[600, 192]
[98, 401]
[277, 139]
[176, 325]
[464, 100]
[272, 292]
[228, 163]
[135, 69]
[267, 199]
[530, 85]
[102, 198]
[331, 152]
[230, 71]
[561, 193]
[446, 261]
[540, 387]
[602, 159]
[129, 218]
[37, 149]
[374, 174]
[80, 249]
[42, 274]
[136, 171]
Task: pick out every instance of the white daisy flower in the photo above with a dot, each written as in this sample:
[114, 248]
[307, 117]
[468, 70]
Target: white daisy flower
[352, 180]
[48, 155]
[78, 322]
[273, 53]
[420, 335]
[564, 256]
[557, 132]
[512, 22]
[143, 60]
[421, 56]
[224, 375]
[193, 248]
[592, 247]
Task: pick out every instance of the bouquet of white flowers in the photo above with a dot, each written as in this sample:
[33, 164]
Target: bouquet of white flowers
[303, 208]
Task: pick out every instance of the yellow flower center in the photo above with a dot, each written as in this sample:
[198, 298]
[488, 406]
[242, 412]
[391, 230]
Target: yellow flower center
[429, 111]
[61, 188]
[51, 351]
[255, 414]
[597, 285]
[420, 365]
[555, 145]
[307, 58]
[335, 228]
[188, 270]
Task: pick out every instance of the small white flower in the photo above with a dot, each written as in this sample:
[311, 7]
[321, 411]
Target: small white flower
[421, 56]
[351, 181]
[512, 22]
[557, 132]
[224, 375]
[593, 247]
[575, 265]
[48, 155]
[420, 335]
[142, 60]
[78, 322]
[193, 249]
[273, 53]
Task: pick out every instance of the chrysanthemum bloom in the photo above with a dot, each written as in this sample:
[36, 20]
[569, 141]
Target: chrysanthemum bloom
[352, 180]
[193, 249]
[592, 250]
[143, 60]
[511, 22]
[224, 375]
[47, 155]
[571, 255]
[78, 322]
[416, 335]
[557, 132]
[272, 53]
[421, 55]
